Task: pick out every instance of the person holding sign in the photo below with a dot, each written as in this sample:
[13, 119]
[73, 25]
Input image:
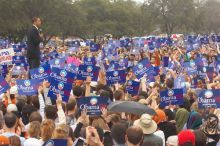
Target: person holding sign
[34, 37]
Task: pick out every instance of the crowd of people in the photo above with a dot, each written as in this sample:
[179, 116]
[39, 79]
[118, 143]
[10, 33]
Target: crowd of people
[40, 120]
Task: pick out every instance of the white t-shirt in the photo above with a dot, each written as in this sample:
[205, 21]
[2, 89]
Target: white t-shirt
[32, 142]
[161, 135]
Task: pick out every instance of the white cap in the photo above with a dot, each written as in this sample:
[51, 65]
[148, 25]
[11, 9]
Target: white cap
[12, 107]
[172, 140]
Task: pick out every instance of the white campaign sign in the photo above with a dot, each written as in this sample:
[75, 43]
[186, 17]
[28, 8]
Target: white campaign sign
[6, 56]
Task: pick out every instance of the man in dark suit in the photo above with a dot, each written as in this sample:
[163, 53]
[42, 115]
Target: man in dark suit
[34, 38]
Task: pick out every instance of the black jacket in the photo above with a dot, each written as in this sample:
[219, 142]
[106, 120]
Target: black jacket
[34, 39]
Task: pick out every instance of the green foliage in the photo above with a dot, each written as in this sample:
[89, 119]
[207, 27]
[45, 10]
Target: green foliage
[90, 18]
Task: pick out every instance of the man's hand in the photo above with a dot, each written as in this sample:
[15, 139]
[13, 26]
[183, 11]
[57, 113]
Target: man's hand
[40, 89]
[59, 100]
[92, 137]
[46, 84]
[88, 80]
[84, 118]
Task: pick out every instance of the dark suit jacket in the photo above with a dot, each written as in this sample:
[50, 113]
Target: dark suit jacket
[34, 39]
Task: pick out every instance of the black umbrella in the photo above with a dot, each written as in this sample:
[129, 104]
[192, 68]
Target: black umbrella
[130, 107]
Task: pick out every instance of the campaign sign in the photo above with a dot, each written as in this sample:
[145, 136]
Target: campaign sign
[94, 47]
[117, 76]
[56, 142]
[53, 54]
[179, 82]
[71, 68]
[165, 61]
[201, 61]
[132, 87]
[28, 87]
[197, 80]
[143, 67]
[88, 70]
[191, 67]
[4, 86]
[41, 73]
[22, 65]
[57, 62]
[18, 59]
[18, 70]
[156, 70]
[89, 61]
[209, 98]
[123, 63]
[3, 70]
[6, 55]
[93, 104]
[62, 75]
[59, 87]
[171, 97]
[113, 66]
[206, 70]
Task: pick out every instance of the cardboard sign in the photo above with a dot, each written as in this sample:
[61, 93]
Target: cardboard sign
[171, 97]
[6, 56]
[28, 87]
[209, 98]
[93, 104]
[117, 76]
[4, 86]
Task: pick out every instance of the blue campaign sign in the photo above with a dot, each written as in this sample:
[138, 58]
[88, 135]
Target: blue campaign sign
[93, 104]
[143, 67]
[89, 61]
[3, 70]
[71, 68]
[53, 54]
[171, 97]
[28, 87]
[56, 142]
[88, 70]
[156, 70]
[57, 62]
[117, 76]
[4, 86]
[126, 42]
[204, 40]
[209, 98]
[206, 70]
[24, 65]
[165, 61]
[62, 75]
[18, 59]
[18, 70]
[41, 73]
[132, 87]
[197, 80]
[191, 68]
[113, 66]
[179, 82]
[17, 49]
[123, 63]
[59, 87]
[94, 47]
[201, 61]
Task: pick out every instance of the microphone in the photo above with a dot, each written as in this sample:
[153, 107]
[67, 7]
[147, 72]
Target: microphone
[40, 30]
